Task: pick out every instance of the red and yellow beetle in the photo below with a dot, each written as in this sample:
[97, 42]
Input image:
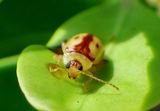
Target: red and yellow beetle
[80, 53]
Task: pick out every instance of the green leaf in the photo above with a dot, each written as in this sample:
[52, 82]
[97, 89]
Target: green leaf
[42, 89]
[122, 21]
[133, 56]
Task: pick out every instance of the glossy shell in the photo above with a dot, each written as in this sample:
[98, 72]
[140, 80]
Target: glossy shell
[85, 48]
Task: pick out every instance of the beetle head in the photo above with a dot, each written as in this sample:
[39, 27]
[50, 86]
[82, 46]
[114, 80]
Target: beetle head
[74, 67]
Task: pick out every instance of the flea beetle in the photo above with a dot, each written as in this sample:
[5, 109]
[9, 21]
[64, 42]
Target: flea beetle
[80, 54]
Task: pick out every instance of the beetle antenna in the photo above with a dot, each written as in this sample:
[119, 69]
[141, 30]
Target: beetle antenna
[99, 80]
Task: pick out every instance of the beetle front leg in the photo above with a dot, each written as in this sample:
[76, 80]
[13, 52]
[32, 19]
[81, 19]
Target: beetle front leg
[56, 70]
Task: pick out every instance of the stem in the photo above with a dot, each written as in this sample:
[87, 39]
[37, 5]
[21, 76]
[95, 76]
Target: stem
[8, 61]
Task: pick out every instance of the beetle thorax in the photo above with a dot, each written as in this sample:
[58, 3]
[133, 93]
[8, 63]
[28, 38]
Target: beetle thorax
[73, 56]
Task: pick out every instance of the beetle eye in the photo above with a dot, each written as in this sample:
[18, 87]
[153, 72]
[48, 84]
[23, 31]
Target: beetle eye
[68, 65]
[80, 68]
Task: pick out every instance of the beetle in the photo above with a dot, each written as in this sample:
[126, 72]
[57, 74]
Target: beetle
[80, 53]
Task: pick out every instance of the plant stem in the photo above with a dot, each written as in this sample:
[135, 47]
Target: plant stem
[8, 61]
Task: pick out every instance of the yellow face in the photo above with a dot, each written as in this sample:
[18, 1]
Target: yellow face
[74, 68]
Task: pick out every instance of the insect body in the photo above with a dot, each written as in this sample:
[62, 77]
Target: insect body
[80, 53]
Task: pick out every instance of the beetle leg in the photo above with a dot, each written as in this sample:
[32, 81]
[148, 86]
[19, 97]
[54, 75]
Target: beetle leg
[57, 49]
[56, 70]
[87, 85]
[98, 66]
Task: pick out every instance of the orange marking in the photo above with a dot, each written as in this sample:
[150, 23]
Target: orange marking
[83, 47]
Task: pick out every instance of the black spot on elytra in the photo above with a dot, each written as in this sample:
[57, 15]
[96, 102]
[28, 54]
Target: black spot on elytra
[97, 45]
